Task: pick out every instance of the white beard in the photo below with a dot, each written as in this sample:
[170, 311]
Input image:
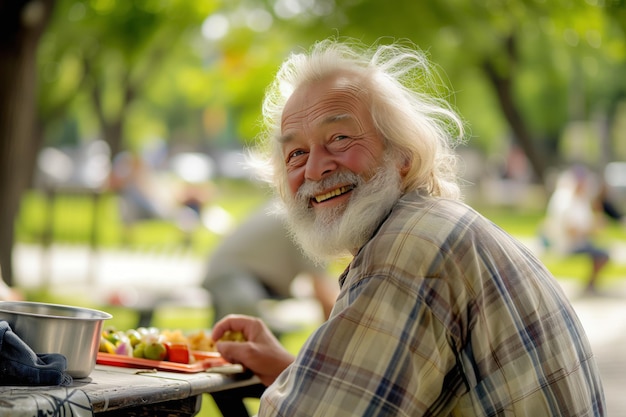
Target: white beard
[339, 231]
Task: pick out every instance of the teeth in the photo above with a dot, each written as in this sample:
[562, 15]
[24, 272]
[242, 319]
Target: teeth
[333, 193]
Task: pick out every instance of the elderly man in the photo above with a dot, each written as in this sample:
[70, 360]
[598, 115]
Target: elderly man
[440, 312]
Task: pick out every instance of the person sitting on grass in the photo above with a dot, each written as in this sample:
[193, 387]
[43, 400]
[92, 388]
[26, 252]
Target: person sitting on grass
[573, 221]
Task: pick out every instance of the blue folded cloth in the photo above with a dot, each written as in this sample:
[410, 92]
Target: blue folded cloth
[20, 365]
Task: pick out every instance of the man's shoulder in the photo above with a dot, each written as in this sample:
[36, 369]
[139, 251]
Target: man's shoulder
[415, 208]
[429, 225]
[415, 224]
[413, 239]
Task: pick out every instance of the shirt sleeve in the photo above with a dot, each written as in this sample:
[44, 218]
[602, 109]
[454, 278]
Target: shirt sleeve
[400, 373]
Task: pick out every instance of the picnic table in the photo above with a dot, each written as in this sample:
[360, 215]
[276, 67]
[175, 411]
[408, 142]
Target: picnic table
[117, 391]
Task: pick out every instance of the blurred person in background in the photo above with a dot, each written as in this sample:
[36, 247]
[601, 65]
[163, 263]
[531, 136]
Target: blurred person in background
[132, 180]
[259, 260]
[606, 204]
[440, 312]
[192, 201]
[573, 218]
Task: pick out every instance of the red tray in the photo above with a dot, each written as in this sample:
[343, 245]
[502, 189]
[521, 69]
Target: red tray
[204, 361]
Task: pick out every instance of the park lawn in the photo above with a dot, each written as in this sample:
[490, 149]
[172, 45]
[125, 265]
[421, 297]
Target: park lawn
[70, 219]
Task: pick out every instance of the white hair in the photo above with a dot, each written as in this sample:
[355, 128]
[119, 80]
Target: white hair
[417, 125]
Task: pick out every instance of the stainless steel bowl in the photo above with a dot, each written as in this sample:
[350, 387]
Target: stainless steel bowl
[52, 328]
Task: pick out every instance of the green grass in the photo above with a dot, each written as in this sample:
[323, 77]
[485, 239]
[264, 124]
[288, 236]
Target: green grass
[523, 223]
[70, 219]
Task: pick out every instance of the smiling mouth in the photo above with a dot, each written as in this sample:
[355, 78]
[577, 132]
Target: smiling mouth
[334, 193]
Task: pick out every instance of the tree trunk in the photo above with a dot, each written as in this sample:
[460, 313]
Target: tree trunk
[21, 24]
[502, 82]
[112, 127]
[504, 90]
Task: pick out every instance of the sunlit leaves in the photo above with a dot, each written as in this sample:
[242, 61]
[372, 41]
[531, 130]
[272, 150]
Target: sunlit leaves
[184, 56]
[119, 48]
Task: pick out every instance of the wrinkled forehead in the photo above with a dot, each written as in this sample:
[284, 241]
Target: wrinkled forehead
[339, 93]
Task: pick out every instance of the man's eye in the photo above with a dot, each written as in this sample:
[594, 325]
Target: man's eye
[340, 137]
[295, 154]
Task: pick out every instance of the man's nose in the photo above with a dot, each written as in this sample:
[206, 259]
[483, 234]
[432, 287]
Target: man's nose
[320, 162]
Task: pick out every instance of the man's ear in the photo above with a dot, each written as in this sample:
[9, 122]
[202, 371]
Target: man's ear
[405, 166]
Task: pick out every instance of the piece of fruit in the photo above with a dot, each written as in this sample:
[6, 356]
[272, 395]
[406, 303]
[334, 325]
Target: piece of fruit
[178, 352]
[106, 346]
[155, 351]
[138, 350]
[201, 340]
[232, 336]
[112, 336]
[124, 348]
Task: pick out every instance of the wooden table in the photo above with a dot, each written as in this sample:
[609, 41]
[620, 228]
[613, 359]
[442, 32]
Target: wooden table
[116, 391]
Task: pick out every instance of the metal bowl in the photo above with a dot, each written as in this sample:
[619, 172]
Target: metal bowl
[52, 328]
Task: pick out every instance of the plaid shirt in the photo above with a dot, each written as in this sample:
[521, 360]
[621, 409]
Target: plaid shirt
[442, 313]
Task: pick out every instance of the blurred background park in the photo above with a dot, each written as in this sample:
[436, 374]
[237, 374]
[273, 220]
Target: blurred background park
[102, 101]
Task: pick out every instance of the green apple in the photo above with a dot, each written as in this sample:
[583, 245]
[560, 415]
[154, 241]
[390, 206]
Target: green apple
[138, 350]
[156, 351]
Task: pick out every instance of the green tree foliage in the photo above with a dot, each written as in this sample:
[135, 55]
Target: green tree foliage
[105, 64]
[522, 69]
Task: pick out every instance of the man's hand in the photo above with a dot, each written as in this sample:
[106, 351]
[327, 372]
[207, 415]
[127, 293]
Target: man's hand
[261, 352]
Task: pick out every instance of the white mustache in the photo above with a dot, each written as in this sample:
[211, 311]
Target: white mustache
[310, 189]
